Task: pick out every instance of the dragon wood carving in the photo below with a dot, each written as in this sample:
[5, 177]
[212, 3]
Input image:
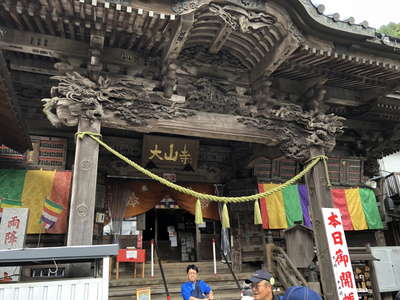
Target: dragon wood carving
[298, 130]
[106, 99]
[240, 19]
[109, 99]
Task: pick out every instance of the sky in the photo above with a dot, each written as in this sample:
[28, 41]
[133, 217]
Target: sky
[376, 12]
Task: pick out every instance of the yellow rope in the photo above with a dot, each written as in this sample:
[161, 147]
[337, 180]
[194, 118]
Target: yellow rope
[187, 191]
[328, 181]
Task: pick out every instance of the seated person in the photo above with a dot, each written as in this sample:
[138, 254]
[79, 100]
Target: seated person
[246, 293]
[194, 289]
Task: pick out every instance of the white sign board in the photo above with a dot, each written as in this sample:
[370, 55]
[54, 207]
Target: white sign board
[12, 235]
[131, 254]
[339, 254]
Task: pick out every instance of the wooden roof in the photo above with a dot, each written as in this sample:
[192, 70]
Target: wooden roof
[294, 42]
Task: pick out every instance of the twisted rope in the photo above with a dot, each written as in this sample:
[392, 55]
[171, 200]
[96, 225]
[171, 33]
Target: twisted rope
[308, 168]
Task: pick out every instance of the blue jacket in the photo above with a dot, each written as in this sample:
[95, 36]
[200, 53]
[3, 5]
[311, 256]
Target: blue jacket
[301, 293]
[188, 287]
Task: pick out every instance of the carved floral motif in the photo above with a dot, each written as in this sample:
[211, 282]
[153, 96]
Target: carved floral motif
[200, 55]
[181, 6]
[211, 97]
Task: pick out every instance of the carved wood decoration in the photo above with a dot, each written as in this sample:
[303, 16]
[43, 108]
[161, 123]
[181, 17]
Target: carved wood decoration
[240, 19]
[200, 56]
[248, 43]
[248, 31]
[298, 130]
[111, 100]
[179, 32]
[211, 97]
[77, 96]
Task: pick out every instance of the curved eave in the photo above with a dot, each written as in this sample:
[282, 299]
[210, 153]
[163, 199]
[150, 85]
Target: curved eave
[13, 129]
[303, 12]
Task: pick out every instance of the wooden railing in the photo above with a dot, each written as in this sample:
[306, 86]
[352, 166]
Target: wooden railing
[287, 273]
[162, 271]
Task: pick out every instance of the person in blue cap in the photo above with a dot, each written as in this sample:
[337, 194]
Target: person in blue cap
[261, 286]
[301, 293]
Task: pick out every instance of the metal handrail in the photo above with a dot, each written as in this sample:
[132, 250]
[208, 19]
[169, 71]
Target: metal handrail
[230, 269]
[162, 271]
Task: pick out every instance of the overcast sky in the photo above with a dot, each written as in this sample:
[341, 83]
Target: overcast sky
[377, 13]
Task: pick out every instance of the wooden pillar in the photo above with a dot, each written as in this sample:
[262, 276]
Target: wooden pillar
[320, 197]
[83, 194]
[198, 241]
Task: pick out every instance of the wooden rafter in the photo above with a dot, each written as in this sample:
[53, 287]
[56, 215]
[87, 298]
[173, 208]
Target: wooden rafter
[179, 34]
[273, 59]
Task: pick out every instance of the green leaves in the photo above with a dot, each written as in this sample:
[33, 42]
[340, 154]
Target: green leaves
[391, 29]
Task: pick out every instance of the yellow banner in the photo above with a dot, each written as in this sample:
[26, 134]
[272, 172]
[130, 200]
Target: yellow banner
[275, 209]
[37, 187]
[355, 209]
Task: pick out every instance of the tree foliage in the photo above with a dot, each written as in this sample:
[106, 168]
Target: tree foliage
[391, 29]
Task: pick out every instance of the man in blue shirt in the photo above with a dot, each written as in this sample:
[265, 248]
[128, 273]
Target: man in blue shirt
[194, 289]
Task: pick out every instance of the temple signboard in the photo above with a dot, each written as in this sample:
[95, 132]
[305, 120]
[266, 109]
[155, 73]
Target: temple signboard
[339, 253]
[12, 235]
[171, 153]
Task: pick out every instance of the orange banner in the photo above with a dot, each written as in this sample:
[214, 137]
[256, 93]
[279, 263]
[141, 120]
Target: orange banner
[146, 194]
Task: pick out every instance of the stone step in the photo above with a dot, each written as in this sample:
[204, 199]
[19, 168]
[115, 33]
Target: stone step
[179, 270]
[171, 269]
[127, 281]
[226, 295]
[219, 288]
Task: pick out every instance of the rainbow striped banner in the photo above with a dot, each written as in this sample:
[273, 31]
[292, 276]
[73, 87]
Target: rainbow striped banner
[290, 206]
[30, 189]
[50, 214]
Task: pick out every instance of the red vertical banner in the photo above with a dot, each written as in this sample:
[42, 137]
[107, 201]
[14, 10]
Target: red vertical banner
[339, 201]
[263, 204]
[60, 194]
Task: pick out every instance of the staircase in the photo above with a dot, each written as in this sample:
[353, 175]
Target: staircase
[223, 285]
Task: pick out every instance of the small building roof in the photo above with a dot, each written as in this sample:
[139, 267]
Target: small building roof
[26, 256]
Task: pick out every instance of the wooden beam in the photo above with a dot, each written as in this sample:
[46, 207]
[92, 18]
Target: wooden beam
[180, 32]
[41, 44]
[51, 46]
[203, 124]
[275, 57]
[220, 38]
